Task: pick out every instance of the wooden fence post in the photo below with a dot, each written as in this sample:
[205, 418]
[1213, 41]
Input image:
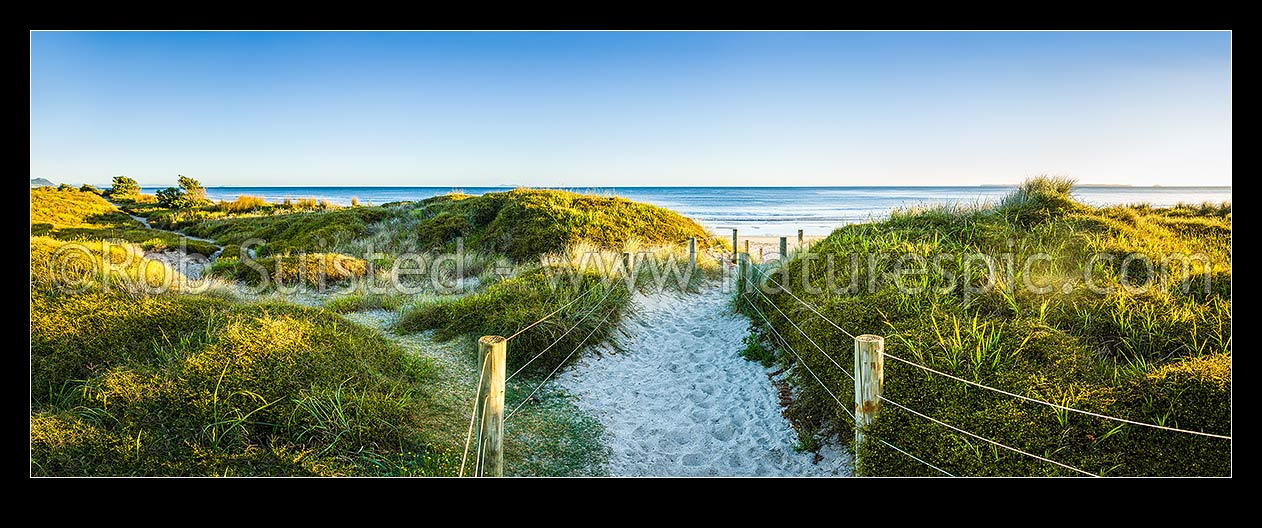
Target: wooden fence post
[869, 372]
[746, 247]
[800, 238]
[784, 249]
[692, 252]
[734, 248]
[626, 262]
[490, 455]
[742, 273]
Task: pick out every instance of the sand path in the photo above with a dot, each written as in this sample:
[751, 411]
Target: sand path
[682, 402]
[191, 265]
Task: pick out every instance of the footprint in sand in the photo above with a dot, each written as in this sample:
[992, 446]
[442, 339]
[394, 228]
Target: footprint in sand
[722, 434]
[693, 459]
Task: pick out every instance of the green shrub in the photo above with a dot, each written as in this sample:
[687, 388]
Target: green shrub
[174, 198]
[124, 189]
[192, 189]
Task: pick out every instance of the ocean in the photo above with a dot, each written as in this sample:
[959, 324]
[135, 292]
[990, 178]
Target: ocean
[759, 210]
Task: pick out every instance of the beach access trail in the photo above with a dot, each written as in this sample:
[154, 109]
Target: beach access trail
[191, 265]
[681, 401]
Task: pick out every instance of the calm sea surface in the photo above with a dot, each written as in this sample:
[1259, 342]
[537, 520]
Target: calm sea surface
[760, 210]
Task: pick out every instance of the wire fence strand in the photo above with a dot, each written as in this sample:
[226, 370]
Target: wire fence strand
[1000, 391]
[558, 367]
[914, 457]
[1050, 404]
[807, 305]
[558, 340]
[802, 362]
[813, 309]
[589, 290]
[834, 396]
[478, 468]
[473, 415]
[984, 439]
[803, 332]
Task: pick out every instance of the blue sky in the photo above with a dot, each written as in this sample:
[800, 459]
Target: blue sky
[631, 108]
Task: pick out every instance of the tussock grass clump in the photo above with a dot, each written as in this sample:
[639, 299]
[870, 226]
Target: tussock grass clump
[286, 269]
[1157, 354]
[1040, 199]
[512, 304]
[244, 203]
[655, 266]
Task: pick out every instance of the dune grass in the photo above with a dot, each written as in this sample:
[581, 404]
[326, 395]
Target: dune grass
[96, 265]
[243, 204]
[591, 305]
[125, 382]
[586, 283]
[527, 223]
[521, 225]
[136, 371]
[134, 382]
[318, 270]
[165, 216]
[71, 214]
[1162, 355]
[194, 386]
[319, 231]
